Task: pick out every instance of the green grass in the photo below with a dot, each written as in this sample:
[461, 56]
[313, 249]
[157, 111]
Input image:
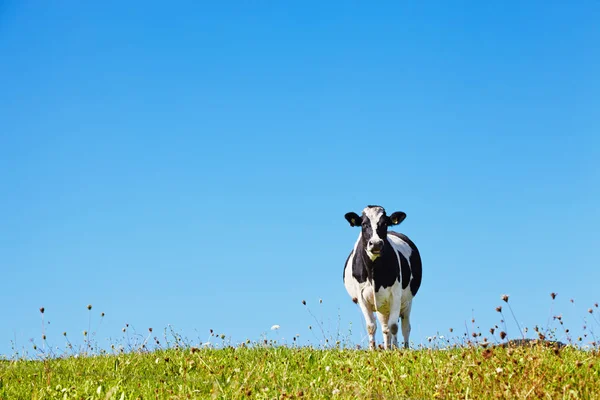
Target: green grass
[285, 372]
[474, 365]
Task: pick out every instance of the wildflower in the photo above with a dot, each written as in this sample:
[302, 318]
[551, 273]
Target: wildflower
[590, 311]
[102, 315]
[123, 330]
[505, 298]
[487, 353]
[327, 368]
[499, 370]
[84, 333]
[596, 305]
[553, 295]
[275, 327]
[492, 330]
[502, 335]
[303, 302]
[89, 307]
[150, 330]
[157, 360]
[499, 309]
[335, 391]
[64, 333]
[42, 309]
[320, 301]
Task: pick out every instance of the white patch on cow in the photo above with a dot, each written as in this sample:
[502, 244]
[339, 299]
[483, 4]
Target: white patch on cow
[373, 214]
[349, 281]
[401, 246]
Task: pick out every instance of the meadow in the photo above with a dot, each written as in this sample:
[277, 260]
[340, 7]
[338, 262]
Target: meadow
[472, 365]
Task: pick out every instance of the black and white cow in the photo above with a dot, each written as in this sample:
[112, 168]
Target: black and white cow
[383, 273]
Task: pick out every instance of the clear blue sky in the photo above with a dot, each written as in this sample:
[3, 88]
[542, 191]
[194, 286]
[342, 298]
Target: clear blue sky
[191, 163]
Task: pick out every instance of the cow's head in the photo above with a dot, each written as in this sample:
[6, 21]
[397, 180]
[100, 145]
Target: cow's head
[374, 222]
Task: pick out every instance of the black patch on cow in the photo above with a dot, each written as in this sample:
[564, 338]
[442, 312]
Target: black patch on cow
[416, 268]
[384, 270]
[405, 270]
[346, 265]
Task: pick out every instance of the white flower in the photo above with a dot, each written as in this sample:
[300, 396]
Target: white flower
[275, 327]
[335, 391]
[499, 370]
[327, 368]
[157, 360]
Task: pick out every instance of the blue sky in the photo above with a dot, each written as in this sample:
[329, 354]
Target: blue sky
[190, 164]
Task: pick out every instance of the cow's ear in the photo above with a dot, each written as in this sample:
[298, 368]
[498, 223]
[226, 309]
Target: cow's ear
[397, 218]
[353, 218]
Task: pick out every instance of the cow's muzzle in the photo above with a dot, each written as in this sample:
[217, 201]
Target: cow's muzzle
[375, 246]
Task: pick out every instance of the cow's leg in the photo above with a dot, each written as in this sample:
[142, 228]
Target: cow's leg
[405, 317]
[385, 329]
[393, 319]
[370, 321]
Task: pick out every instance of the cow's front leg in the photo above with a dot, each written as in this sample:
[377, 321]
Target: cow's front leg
[393, 319]
[385, 329]
[370, 321]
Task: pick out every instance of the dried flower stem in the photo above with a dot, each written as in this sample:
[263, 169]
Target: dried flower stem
[515, 318]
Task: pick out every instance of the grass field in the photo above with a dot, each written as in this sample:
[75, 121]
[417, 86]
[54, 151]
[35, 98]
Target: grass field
[468, 366]
[287, 372]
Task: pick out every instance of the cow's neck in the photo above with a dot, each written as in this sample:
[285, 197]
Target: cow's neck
[372, 265]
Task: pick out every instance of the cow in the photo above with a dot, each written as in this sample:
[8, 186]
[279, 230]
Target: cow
[383, 273]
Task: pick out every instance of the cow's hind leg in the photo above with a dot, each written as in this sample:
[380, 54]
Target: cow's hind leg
[405, 317]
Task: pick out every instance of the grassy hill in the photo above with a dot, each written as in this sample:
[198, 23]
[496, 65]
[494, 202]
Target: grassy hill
[286, 372]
